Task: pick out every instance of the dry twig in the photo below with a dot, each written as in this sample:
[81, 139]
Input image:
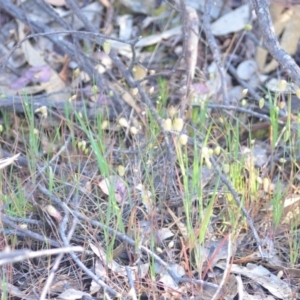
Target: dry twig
[8, 256]
[62, 230]
[270, 40]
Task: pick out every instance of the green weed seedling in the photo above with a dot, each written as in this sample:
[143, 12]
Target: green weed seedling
[294, 243]
[113, 213]
[17, 206]
[278, 204]
[273, 109]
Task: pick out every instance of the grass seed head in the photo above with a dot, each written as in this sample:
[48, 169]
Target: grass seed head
[183, 139]
[95, 89]
[53, 212]
[281, 105]
[123, 122]
[226, 168]
[104, 124]
[217, 150]
[266, 184]
[151, 90]
[43, 110]
[208, 162]
[133, 130]
[35, 131]
[134, 91]
[106, 47]
[248, 27]
[172, 111]
[178, 124]
[121, 170]
[167, 124]
[244, 102]
[261, 102]
[282, 85]
[76, 72]
[73, 98]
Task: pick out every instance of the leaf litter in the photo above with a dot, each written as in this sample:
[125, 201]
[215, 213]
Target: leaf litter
[166, 248]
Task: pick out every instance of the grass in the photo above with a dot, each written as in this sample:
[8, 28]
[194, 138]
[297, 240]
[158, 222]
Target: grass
[91, 149]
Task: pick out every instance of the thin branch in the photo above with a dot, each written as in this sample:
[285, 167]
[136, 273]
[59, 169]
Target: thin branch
[226, 269]
[8, 257]
[132, 291]
[270, 40]
[84, 34]
[239, 204]
[66, 47]
[28, 233]
[57, 260]
[62, 229]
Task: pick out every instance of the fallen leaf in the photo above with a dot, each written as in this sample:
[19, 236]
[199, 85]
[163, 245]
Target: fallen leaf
[232, 22]
[72, 294]
[163, 234]
[246, 69]
[114, 184]
[56, 2]
[35, 59]
[139, 271]
[101, 273]
[264, 277]
[33, 75]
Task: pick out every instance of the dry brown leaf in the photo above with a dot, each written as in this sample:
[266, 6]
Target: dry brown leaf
[63, 74]
[119, 250]
[139, 72]
[35, 59]
[127, 97]
[105, 3]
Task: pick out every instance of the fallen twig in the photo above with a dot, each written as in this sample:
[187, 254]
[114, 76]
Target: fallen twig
[270, 40]
[62, 229]
[239, 204]
[8, 256]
